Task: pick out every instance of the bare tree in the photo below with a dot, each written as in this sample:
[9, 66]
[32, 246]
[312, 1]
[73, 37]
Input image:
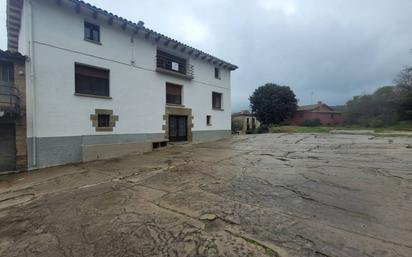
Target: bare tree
[404, 79]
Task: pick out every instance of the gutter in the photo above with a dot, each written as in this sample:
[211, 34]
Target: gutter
[33, 88]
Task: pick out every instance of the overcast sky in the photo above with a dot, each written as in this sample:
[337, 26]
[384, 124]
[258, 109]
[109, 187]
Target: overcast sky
[333, 48]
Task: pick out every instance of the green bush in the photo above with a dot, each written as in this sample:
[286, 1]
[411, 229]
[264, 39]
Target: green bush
[375, 122]
[262, 129]
[312, 123]
[236, 125]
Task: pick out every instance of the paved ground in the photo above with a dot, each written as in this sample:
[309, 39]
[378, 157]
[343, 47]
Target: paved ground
[265, 195]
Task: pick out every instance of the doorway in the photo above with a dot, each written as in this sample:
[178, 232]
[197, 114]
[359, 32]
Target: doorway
[177, 128]
[7, 148]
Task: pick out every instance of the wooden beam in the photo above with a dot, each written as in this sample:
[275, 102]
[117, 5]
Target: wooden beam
[183, 49]
[190, 52]
[77, 8]
[203, 57]
[110, 21]
[124, 25]
[197, 54]
[148, 34]
[95, 15]
[158, 38]
[176, 45]
[167, 42]
[136, 30]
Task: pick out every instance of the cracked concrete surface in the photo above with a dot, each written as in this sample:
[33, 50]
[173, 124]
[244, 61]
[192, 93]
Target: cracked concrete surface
[258, 195]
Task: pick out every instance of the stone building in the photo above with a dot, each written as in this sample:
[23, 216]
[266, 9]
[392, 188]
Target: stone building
[248, 122]
[326, 115]
[13, 149]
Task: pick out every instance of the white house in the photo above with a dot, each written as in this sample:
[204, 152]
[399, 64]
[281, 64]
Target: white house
[100, 86]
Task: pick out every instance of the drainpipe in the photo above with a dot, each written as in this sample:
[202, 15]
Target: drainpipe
[33, 88]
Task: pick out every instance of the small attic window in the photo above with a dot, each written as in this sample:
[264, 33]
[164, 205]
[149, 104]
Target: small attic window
[91, 32]
[217, 73]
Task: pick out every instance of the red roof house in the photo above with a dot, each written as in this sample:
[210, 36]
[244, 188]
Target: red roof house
[326, 114]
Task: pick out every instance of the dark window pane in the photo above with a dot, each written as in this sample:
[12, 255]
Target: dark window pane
[6, 72]
[91, 32]
[95, 35]
[217, 73]
[173, 94]
[103, 120]
[91, 81]
[216, 100]
[87, 33]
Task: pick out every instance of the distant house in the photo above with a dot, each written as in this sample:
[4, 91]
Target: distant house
[326, 114]
[247, 120]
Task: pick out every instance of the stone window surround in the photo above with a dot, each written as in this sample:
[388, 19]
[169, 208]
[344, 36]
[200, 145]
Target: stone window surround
[180, 111]
[112, 123]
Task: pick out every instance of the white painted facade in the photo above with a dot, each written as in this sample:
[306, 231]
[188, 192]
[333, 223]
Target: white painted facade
[52, 36]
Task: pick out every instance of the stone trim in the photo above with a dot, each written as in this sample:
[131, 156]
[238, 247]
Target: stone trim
[179, 111]
[112, 121]
[20, 120]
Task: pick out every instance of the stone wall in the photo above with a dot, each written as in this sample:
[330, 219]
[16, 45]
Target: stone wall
[20, 120]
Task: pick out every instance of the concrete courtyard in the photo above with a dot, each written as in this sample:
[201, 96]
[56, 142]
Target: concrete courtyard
[282, 195]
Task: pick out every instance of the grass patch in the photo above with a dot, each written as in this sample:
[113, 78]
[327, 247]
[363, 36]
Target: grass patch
[299, 129]
[399, 126]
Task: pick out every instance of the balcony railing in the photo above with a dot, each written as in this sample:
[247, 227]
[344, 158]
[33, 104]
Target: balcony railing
[174, 65]
[9, 98]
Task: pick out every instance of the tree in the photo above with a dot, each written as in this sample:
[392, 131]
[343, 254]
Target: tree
[387, 105]
[404, 88]
[272, 103]
[375, 110]
[404, 79]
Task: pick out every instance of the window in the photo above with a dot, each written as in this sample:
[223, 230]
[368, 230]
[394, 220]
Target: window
[208, 120]
[6, 72]
[170, 62]
[173, 94]
[91, 81]
[91, 32]
[103, 120]
[216, 100]
[217, 73]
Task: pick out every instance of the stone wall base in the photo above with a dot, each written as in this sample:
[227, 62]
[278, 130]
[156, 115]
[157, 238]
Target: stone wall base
[100, 152]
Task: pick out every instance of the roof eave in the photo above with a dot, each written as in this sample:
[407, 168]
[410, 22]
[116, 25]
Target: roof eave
[153, 35]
